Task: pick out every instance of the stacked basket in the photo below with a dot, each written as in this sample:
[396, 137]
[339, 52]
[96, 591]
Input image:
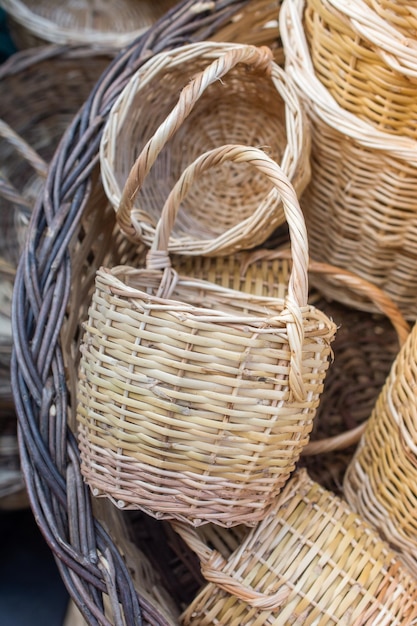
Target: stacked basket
[192, 397]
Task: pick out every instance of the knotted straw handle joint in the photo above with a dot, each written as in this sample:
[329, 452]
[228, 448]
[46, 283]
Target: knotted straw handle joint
[212, 566]
[257, 58]
[298, 283]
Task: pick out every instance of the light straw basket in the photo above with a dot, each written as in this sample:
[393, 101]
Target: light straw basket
[184, 103]
[195, 401]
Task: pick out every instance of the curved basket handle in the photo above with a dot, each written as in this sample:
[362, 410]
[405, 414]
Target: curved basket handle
[259, 58]
[7, 189]
[158, 258]
[363, 287]
[212, 565]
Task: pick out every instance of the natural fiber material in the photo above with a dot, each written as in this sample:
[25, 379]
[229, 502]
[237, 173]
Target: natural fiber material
[70, 235]
[364, 348]
[400, 14]
[110, 24]
[310, 561]
[182, 104]
[365, 64]
[381, 481]
[195, 401]
[363, 187]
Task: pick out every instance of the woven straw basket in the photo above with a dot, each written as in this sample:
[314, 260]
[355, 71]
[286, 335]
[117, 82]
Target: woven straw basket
[363, 187]
[233, 94]
[398, 13]
[364, 62]
[195, 401]
[364, 348]
[310, 561]
[381, 480]
[81, 22]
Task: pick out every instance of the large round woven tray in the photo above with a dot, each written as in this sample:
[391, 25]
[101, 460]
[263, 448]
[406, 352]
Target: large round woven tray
[68, 238]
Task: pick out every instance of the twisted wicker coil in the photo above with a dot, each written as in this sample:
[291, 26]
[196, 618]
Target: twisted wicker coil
[312, 560]
[380, 482]
[233, 94]
[195, 401]
[363, 187]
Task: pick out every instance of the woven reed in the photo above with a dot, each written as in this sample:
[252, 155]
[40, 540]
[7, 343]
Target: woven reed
[69, 237]
[97, 24]
[235, 94]
[195, 401]
[381, 480]
[398, 13]
[363, 187]
[364, 348]
[310, 561]
[357, 55]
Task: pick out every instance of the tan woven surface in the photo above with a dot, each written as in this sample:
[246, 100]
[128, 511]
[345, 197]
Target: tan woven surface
[402, 14]
[360, 206]
[238, 95]
[381, 481]
[94, 23]
[195, 400]
[310, 561]
[351, 61]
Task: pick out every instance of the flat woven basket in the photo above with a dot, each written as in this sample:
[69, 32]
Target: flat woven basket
[363, 187]
[365, 63]
[71, 234]
[182, 104]
[81, 22]
[195, 401]
[364, 348]
[312, 560]
[381, 480]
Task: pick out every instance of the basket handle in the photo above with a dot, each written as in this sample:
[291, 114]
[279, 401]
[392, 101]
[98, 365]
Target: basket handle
[158, 258]
[212, 568]
[7, 189]
[363, 287]
[259, 58]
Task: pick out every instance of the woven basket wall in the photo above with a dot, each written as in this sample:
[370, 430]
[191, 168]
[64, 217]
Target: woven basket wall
[353, 50]
[380, 482]
[80, 22]
[363, 186]
[205, 95]
[72, 236]
[311, 561]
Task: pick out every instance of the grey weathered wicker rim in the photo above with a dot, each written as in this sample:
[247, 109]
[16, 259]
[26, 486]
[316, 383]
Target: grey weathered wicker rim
[48, 449]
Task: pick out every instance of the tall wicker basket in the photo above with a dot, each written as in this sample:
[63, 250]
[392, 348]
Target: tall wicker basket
[69, 236]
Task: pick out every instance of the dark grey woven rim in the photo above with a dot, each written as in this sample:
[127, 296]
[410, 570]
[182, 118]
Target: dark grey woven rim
[49, 454]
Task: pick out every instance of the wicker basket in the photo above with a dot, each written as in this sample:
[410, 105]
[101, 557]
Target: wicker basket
[235, 94]
[398, 13]
[97, 24]
[365, 64]
[364, 348]
[381, 481]
[310, 561]
[363, 187]
[195, 401]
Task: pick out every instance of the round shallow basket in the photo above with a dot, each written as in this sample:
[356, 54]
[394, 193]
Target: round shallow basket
[364, 62]
[381, 480]
[364, 348]
[80, 22]
[363, 187]
[195, 401]
[71, 233]
[312, 560]
[182, 104]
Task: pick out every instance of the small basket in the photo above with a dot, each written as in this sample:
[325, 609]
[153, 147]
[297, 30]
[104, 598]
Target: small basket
[235, 94]
[195, 401]
[363, 187]
[95, 24]
[365, 63]
[310, 561]
[381, 480]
